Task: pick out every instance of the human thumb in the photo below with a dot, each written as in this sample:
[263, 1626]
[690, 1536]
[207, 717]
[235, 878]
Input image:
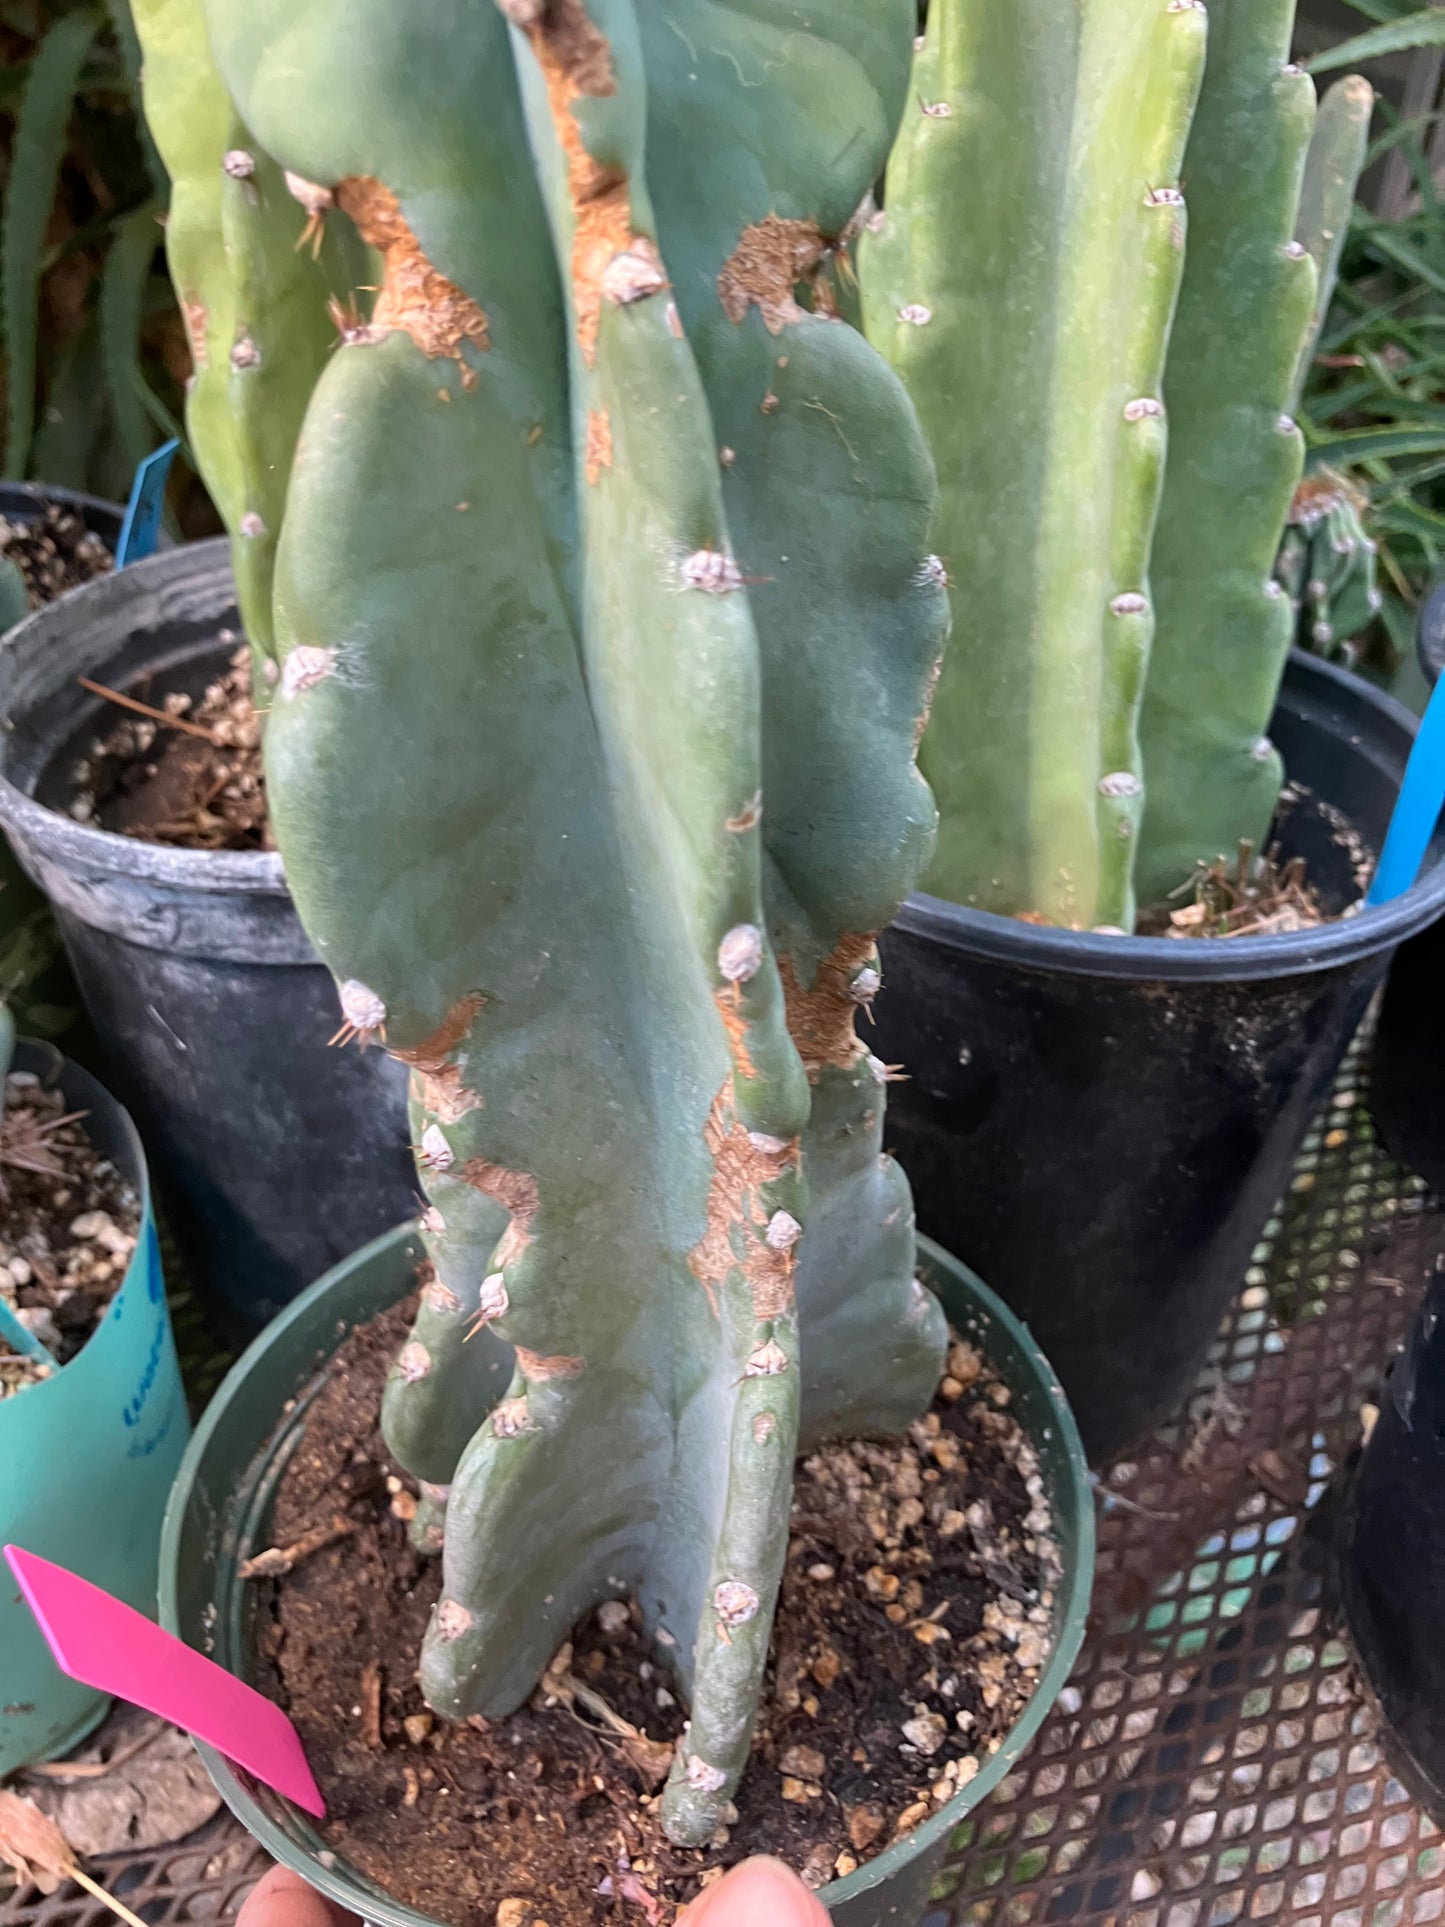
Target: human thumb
[758, 1893]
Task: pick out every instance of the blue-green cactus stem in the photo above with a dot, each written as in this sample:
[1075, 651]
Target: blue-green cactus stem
[1222, 619]
[554, 761]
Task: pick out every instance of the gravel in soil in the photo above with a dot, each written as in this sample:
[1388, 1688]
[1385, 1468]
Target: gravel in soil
[911, 1630]
[53, 553]
[193, 781]
[68, 1226]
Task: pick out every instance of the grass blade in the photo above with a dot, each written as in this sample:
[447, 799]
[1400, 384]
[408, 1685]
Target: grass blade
[122, 293]
[1426, 29]
[1372, 444]
[39, 145]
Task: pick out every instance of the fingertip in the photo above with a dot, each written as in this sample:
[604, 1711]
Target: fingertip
[761, 1892]
[282, 1898]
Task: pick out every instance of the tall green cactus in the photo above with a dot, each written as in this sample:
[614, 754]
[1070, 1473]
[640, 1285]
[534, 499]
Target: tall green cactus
[1245, 309]
[1021, 279]
[1334, 162]
[606, 624]
[1326, 560]
[254, 298]
[1118, 638]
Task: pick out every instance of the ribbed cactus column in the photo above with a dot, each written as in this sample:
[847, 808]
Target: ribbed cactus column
[254, 303]
[1326, 559]
[519, 762]
[1223, 622]
[1334, 161]
[1021, 280]
[829, 493]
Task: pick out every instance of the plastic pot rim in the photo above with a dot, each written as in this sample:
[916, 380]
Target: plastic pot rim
[1076, 1583]
[55, 1406]
[1084, 953]
[48, 1061]
[41, 494]
[86, 847]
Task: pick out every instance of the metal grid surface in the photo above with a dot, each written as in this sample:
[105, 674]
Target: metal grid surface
[1211, 1760]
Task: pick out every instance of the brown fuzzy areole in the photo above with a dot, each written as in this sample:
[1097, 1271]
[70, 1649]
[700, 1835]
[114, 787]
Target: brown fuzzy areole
[517, 1190]
[736, 1026]
[194, 313]
[441, 1297]
[930, 690]
[444, 1094]
[430, 1055]
[822, 1020]
[1318, 493]
[539, 1368]
[576, 63]
[734, 1203]
[414, 297]
[766, 266]
[748, 817]
[599, 444]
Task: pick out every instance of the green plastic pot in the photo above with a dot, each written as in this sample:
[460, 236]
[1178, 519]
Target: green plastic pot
[221, 1508]
[88, 1456]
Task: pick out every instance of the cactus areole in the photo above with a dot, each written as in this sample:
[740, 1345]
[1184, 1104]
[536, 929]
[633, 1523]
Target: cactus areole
[604, 622]
[1097, 271]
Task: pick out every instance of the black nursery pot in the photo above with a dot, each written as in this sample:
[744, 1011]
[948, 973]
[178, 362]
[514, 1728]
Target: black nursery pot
[1407, 1069]
[28, 501]
[1102, 1125]
[33, 974]
[274, 1155]
[1390, 1553]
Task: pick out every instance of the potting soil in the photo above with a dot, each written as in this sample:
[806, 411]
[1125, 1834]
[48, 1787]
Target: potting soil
[194, 781]
[53, 552]
[68, 1225]
[911, 1629]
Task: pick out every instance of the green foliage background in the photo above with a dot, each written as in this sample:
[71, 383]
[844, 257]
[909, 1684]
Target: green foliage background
[93, 355]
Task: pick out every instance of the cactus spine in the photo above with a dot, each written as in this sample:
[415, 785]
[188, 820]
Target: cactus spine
[605, 623]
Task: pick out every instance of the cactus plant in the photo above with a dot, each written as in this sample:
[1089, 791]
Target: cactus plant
[1326, 564]
[1235, 454]
[1021, 280]
[605, 626]
[1326, 559]
[1119, 633]
[255, 303]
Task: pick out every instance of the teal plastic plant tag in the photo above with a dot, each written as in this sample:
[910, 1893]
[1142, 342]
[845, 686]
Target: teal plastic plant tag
[140, 531]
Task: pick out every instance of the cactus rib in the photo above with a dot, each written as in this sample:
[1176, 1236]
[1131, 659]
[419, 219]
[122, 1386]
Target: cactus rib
[1021, 279]
[1222, 620]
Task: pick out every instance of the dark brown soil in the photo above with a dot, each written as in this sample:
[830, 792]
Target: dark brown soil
[194, 781]
[68, 1225]
[911, 1629]
[54, 553]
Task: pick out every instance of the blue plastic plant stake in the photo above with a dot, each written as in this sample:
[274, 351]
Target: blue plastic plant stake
[140, 530]
[1417, 807]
